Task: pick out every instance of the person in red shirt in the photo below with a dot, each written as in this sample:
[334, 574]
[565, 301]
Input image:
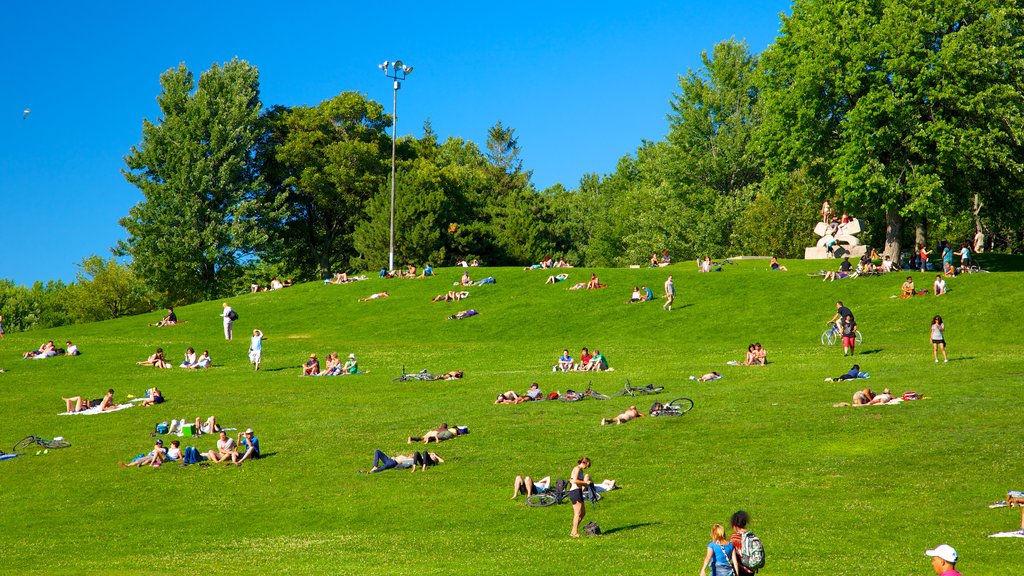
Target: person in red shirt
[585, 357]
[739, 522]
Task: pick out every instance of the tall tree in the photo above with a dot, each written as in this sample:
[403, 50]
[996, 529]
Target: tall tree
[325, 162]
[899, 104]
[199, 218]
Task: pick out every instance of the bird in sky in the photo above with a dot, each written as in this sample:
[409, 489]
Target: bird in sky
[26, 113]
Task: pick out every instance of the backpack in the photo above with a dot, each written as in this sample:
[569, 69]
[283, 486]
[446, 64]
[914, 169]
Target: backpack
[751, 551]
[559, 490]
[162, 428]
[592, 529]
[911, 396]
[233, 316]
[656, 408]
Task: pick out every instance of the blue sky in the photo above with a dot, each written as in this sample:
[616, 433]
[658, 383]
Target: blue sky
[582, 84]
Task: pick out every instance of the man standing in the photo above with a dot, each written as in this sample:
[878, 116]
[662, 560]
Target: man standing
[944, 559]
[670, 294]
[229, 319]
[256, 348]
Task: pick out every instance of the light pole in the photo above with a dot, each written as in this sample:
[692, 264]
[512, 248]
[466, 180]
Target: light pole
[397, 71]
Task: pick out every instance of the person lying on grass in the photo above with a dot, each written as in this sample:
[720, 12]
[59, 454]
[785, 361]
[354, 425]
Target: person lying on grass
[853, 374]
[374, 296]
[46, 350]
[439, 434]
[153, 397]
[707, 377]
[557, 278]
[527, 487]
[631, 413]
[382, 461]
[510, 397]
[78, 403]
[1016, 498]
[156, 359]
[450, 296]
[453, 375]
[462, 315]
[311, 367]
[578, 286]
[154, 458]
[866, 397]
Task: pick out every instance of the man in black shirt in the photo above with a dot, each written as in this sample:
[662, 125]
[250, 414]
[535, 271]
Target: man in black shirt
[841, 312]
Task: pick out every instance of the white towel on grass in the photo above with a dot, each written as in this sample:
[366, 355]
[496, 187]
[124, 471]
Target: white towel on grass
[1015, 534]
[96, 410]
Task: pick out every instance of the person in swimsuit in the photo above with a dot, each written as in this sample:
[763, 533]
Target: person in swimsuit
[631, 413]
[76, 403]
[577, 480]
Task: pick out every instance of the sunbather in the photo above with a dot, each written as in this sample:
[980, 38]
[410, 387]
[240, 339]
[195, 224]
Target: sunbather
[707, 377]
[155, 456]
[631, 413]
[169, 320]
[78, 403]
[382, 461]
[594, 283]
[439, 434]
[556, 278]
[153, 397]
[853, 374]
[156, 359]
[374, 296]
[527, 487]
[191, 359]
[463, 315]
[46, 350]
[453, 375]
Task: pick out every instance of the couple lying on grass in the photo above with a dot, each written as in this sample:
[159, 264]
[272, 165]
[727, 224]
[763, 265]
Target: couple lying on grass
[248, 447]
[510, 397]
[439, 434]
[451, 296]
[588, 363]
[49, 350]
[382, 461]
[593, 284]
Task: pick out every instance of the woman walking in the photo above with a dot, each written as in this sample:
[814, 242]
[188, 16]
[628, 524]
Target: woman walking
[938, 339]
[577, 480]
[721, 555]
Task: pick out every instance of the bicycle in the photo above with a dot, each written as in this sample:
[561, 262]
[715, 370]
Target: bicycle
[630, 390]
[422, 375]
[831, 334]
[676, 407]
[556, 496]
[28, 441]
[574, 396]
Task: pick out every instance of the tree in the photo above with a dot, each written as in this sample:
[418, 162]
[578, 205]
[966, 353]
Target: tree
[105, 289]
[905, 105]
[200, 218]
[324, 163]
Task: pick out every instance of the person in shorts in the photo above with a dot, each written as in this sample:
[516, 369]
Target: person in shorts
[849, 331]
[670, 294]
[577, 480]
[256, 348]
[938, 334]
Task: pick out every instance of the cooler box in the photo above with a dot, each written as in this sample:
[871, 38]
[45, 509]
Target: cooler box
[189, 430]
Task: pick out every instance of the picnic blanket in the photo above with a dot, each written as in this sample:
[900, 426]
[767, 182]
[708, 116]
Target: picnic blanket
[1014, 534]
[96, 410]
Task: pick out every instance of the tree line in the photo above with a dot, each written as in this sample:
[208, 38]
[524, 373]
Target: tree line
[905, 113]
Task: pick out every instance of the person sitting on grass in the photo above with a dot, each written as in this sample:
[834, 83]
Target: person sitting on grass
[78, 403]
[594, 282]
[374, 296]
[169, 320]
[774, 265]
[46, 350]
[465, 280]
[1015, 498]
[939, 285]
[751, 358]
[191, 359]
[248, 447]
[907, 290]
[557, 278]
[72, 349]
[154, 458]
[174, 452]
[631, 413]
[351, 366]
[439, 434]
[156, 359]
[853, 374]
[203, 362]
[645, 294]
[565, 361]
[761, 355]
[332, 366]
[225, 451]
[311, 367]
[153, 397]
[596, 363]
[635, 297]
[382, 461]
[585, 358]
[526, 486]
[707, 377]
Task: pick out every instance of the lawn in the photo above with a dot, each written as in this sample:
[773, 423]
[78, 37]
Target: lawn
[830, 490]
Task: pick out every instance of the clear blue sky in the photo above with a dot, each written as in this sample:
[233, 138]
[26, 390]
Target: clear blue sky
[582, 84]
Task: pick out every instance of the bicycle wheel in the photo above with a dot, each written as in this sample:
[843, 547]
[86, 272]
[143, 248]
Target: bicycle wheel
[401, 378]
[25, 443]
[650, 389]
[828, 337]
[681, 405]
[56, 444]
[860, 338]
[598, 396]
[540, 500]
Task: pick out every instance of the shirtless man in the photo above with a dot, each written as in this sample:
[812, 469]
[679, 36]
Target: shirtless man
[77, 403]
[631, 413]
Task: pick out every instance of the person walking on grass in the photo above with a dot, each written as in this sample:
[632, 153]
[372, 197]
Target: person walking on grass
[229, 319]
[256, 349]
[739, 523]
[944, 559]
[938, 339]
[577, 480]
[849, 332]
[721, 555]
[670, 294]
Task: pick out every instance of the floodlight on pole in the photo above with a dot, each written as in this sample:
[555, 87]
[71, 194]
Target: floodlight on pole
[397, 71]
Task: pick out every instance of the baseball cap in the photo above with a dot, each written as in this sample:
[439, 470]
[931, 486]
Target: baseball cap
[352, 356]
[944, 551]
[248, 430]
[159, 440]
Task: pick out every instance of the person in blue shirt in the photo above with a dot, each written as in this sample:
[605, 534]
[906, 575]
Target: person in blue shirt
[248, 447]
[647, 294]
[721, 555]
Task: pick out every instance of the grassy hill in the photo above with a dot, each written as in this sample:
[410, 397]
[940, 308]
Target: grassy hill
[830, 490]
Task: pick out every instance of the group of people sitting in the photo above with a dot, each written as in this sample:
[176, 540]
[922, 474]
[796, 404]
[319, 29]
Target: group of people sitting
[595, 362]
[593, 284]
[332, 367]
[192, 361]
[663, 260]
[450, 296]
[547, 262]
[408, 274]
[640, 294]
[275, 284]
[49, 350]
[229, 451]
[756, 356]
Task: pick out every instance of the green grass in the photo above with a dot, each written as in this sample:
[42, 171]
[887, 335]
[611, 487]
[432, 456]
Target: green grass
[830, 490]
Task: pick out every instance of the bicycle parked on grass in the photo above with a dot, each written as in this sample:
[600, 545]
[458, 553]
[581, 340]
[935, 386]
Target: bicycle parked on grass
[676, 407]
[833, 333]
[631, 390]
[421, 375]
[559, 493]
[33, 440]
[574, 396]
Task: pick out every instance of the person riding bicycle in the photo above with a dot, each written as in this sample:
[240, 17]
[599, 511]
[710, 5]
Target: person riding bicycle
[841, 312]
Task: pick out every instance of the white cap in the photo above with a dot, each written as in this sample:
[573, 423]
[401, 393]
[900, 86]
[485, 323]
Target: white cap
[944, 551]
[352, 356]
[248, 430]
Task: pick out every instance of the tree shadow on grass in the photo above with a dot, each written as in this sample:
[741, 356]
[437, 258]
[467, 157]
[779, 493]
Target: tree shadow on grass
[629, 527]
[999, 262]
[280, 369]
